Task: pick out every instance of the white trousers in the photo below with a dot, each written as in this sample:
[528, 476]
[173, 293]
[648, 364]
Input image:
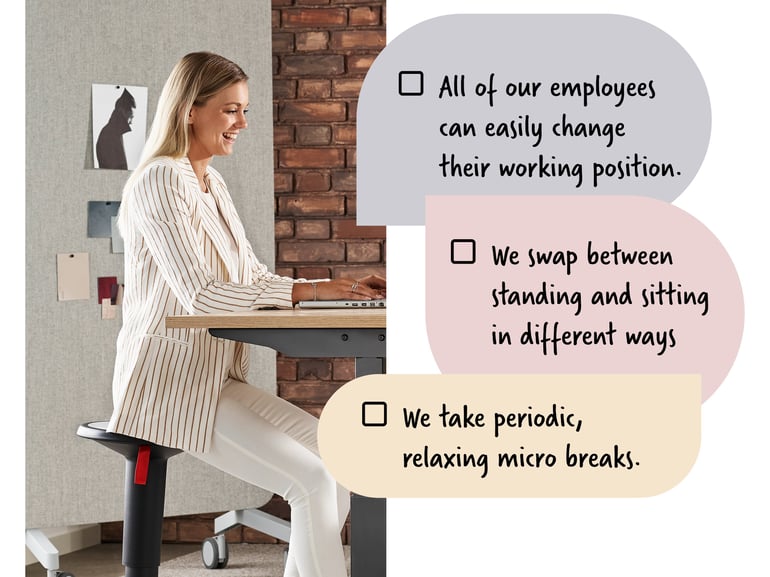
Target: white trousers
[271, 443]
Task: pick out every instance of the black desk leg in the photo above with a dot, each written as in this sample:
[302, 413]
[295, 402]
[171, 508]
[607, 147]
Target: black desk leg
[368, 541]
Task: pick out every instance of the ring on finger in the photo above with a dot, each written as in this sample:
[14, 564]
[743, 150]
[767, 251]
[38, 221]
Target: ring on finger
[354, 287]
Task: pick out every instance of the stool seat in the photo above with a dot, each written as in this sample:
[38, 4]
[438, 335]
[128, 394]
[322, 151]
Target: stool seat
[145, 492]
[122, 444]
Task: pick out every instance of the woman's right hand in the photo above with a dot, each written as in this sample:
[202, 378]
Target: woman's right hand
[336, 289]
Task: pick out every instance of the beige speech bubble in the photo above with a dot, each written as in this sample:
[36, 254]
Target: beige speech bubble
[512, 435]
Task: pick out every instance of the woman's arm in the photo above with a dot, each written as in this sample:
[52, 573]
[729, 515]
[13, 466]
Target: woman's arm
[161, 212]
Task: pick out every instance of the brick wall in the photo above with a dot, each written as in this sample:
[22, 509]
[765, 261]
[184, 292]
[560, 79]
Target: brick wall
[322, 50]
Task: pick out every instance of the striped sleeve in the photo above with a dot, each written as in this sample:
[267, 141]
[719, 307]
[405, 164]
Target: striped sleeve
[163, 217]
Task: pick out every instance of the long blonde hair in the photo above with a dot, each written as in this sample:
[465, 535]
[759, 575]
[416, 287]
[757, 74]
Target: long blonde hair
[195, 78]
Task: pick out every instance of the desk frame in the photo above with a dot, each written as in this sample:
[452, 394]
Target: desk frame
[359, 335]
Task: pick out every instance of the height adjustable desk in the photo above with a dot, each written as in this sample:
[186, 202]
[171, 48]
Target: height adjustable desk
[359, 334]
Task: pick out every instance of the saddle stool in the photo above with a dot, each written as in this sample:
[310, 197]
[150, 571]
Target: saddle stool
[145, 493]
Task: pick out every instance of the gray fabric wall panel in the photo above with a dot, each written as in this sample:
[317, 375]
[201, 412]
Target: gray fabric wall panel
[71, 45]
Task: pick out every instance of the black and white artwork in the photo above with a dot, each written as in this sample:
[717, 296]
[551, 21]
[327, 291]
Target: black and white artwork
[119, 117]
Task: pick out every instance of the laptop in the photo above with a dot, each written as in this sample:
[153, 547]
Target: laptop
[342, 304]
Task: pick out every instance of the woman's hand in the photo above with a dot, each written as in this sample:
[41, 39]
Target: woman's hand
[375, 282]
[368, 288]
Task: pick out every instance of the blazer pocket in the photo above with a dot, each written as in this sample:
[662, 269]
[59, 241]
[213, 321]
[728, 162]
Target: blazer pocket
[179, 337]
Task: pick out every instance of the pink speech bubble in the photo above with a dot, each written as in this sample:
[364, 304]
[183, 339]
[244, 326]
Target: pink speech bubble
[576, 285]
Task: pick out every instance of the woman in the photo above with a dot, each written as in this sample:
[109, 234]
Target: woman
[186, 252]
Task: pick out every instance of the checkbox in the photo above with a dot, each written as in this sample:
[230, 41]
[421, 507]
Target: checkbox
[463, 251]
[410, 83]
[374, 414]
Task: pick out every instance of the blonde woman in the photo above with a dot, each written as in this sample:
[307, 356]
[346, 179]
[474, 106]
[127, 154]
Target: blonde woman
[186, 252]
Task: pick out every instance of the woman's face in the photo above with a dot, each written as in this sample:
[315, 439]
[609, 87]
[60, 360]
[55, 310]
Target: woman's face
[214, 126]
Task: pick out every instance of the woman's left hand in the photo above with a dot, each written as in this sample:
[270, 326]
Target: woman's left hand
[375, 282]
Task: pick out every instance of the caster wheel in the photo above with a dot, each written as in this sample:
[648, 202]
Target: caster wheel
[214, 552]
[64, 574]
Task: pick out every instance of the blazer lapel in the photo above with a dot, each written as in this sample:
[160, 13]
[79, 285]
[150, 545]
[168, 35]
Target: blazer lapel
[210, 221]
[238, 271]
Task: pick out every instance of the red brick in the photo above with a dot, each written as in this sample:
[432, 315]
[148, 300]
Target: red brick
[310, 41]
[314, 369]
[284, 228]
[351, 205]
[257, 537]
[309, 393]
[310, 251]
[314, 410]
[312, 111]
[278, 507]
[351, 157]
[313, 182]
[344, 134]
[360, 63]
[344, 180]
[112, 532]
[315, 205]
[283, 89]
[286, 369]
[346, 87]
[314, 135]
[312, 65]
[346, 228]
[314, 17]
[313, 229]
[195, 530]
[358, 40]
[283, 42]
[285, 271]
[311, 272]
[359, 271]
[363, 252]
[364, 16]
[169, 531]
[343, 370]
[283, 134]
[314, 88]
[311, 158]
[283, 181]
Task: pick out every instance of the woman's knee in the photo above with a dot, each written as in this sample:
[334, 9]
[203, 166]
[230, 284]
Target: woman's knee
[315, 479]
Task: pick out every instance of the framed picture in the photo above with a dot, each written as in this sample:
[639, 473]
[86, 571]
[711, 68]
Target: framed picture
[119, 114]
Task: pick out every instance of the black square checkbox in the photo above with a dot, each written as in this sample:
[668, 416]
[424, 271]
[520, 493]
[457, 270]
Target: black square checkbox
[374, 414]
[410, 83]
[463, 251]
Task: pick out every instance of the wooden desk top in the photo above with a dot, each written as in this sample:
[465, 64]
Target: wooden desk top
[283, 319]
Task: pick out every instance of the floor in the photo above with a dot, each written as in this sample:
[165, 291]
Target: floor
[103, 560]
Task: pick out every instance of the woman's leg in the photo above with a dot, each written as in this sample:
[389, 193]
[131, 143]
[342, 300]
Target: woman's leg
[270, 443]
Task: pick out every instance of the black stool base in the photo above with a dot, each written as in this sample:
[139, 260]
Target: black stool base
[145, 492]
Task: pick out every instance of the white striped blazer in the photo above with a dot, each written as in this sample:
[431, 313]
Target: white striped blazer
[179, 260]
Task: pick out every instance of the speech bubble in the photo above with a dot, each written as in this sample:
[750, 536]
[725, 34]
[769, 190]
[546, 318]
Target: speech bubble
[512, 435]
[504, 104]
[558, 284]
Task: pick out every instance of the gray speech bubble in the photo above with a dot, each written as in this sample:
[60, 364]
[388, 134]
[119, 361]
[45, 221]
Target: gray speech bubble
[527, 104]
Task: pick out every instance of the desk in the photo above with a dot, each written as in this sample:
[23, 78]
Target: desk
[319, 333]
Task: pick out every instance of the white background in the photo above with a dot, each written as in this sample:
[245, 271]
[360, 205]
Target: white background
[715, 522]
